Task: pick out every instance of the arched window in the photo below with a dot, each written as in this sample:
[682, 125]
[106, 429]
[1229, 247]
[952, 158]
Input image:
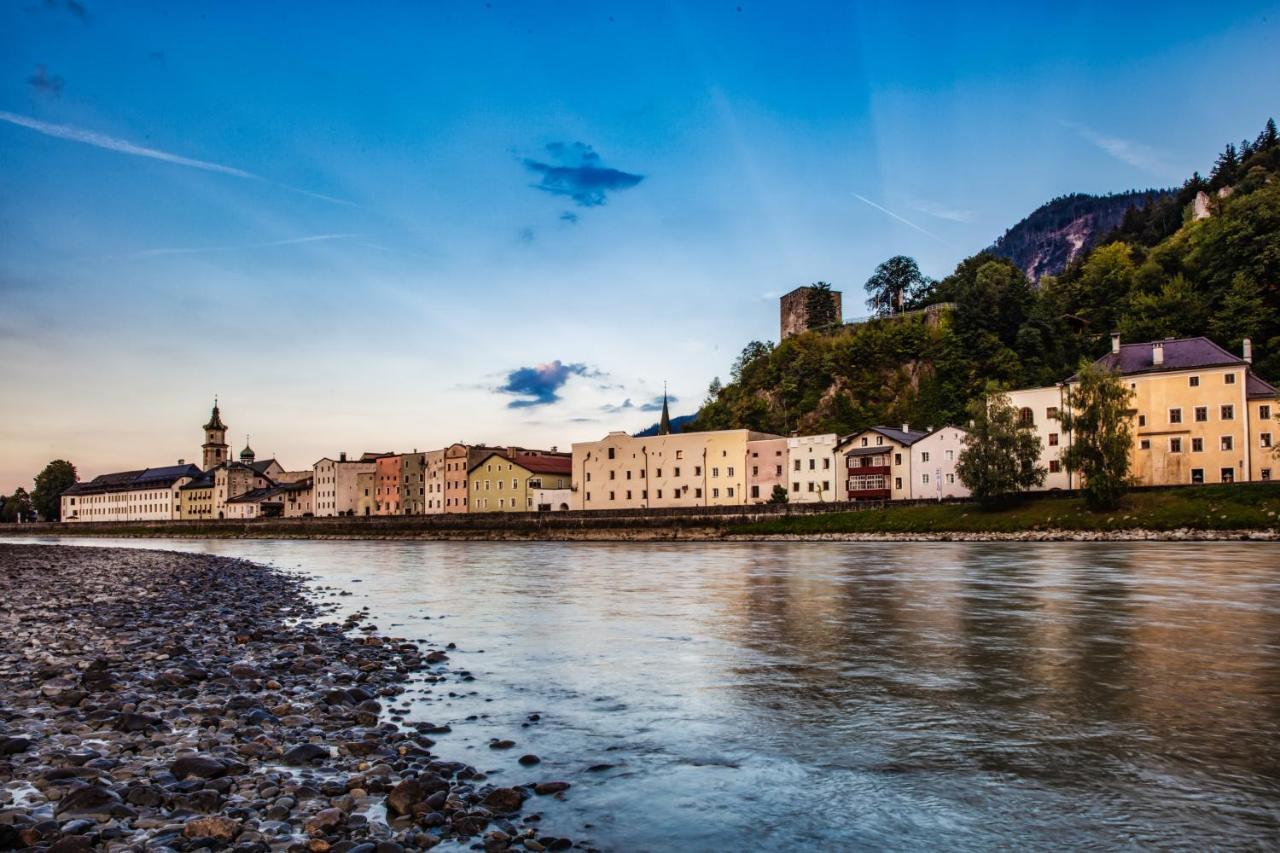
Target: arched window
[1025, 417]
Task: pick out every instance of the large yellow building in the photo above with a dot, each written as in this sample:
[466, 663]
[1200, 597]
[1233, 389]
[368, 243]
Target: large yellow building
[1199, 414]
[516, 483]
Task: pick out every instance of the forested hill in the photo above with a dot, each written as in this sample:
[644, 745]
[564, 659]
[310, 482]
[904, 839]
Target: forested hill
[1058, 232]
[1162, 272]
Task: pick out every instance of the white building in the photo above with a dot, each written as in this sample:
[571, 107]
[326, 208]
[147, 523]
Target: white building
[933, 465]
[1039, 407]
[334, 487]
[813, 474]
[147, 495]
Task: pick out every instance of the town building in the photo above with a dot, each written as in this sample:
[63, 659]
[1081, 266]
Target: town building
[1039, 408]
[413, 483]
[150, 494]
[334, 482]
[519, 482]
[388, 491]
[878, 462]
[1199, 415]
[766, 468]
[435, 480]
[813, 472]
[666, 470]
[933, 465]
[366, 492]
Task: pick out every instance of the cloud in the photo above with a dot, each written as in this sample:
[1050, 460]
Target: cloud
[45, 83]
[940, 211]
[901, 219]
[1128, 151]
[315, 238]
[540, 385]
[570, 217]
[527, 235]
[111, 143]
[578, 173]
[654, 405]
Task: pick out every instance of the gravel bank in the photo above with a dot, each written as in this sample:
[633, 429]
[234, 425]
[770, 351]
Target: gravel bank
[157, 701]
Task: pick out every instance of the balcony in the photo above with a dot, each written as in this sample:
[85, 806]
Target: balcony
[870, 495]
[869, 471]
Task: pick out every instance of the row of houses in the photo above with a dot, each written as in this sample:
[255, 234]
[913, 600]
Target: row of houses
[1199, 415]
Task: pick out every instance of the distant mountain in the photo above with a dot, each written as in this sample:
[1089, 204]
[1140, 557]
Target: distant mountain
[677, 425]
[1058, 232]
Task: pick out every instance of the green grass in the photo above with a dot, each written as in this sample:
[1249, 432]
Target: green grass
[1254, 506]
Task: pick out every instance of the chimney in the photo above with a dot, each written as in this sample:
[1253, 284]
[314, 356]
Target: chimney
[1248, 350]
[182, 462]
[342, 457]
[906, 427]
[1115, 342]
[1157, 353]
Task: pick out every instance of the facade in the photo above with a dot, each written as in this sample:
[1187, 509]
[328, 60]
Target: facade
[877, 463]
[387, 488]
[458, 461]
[150, 494]
[794, 310]
[413, 483]
[812, 470]
[434, 467]
[296, 497]
[1039, 407]
[501, 483]
[551, 500]
[933, 465]
[366, 492]
[766, 468]
[681, 470]
[1199, 415]
[334, 482]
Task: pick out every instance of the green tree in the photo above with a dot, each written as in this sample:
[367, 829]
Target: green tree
[779, 495]
[1178, 309]
[17, 507]
[1103, 284]
[999, 456]
[58, 476]
[820, 306]
[753, 353]
[1101, 435]
[893, 283]
[1245, 313]
[714, 390]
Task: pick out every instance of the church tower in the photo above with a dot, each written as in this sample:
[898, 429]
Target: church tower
[664, 425]
[215, 439]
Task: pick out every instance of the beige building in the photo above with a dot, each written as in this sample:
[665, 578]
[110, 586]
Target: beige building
[933, 465]
[334, 483]
[686, 469]
[413, 483]
[435, 480]
[766, 468]
[150, 494]
[501, 483]
[1039, 407]
[366, 493]
[877, 463]
[813, 472]
[1199, 414]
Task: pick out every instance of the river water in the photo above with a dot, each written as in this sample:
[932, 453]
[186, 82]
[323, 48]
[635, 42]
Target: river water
[859, 695]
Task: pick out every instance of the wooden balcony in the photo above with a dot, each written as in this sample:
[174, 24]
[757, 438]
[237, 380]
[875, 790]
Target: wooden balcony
[869, 471]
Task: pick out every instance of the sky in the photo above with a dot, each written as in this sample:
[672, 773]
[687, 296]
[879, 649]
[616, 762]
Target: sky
[407, 224]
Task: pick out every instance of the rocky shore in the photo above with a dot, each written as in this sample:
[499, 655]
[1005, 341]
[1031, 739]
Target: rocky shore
[164, 701]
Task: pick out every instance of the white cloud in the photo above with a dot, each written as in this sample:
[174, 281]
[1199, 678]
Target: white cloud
[195, 250]
[1134, 153]
[940, 210]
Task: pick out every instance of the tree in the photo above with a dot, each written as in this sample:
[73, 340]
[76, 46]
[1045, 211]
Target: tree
[820, 306]
[893, 283]
[1177, 309]
[1244, 312]
[751, 353]
[1101, 435]
[58, 476]
[713, 390]
[17, 507]
[779, 495]
[999, 456]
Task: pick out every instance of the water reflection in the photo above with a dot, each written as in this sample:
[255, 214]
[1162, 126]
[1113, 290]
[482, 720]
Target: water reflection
[856, 695]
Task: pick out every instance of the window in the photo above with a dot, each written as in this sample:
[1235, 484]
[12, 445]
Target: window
[879, 440]
[610, 452]
[1053, 439]
[1228, 474]
[826, 485]
[611, 496]
[778, 470]
[729, 491]
[697, 470]
[924, 478]
[1026, 417]
[715, 472]
[1142, 420]
[755, 492]
[755, 470]
[813, 464]
[676, 472]
[951, 454]
[1175, 416]
[1144, 444]
[1264, 439]
[795, 487]
[1054, 467]
[1193, 381]
[730, 471]
[1175, 444]
[897, 459]
[951, 478]
[864, 442]
[628, 475]
[1197, 445]
[679, 455]
[1197, 475]
[697, 493]
[1202, 414]
[613, 475]
[659, 494]
[1264, 413]
[1051, 413]
[1266, 473]
[1227, 443]
[797, 465]
[1228, 412]
[924, 457]
[897, 482]
[715, 493]
[1230, 379]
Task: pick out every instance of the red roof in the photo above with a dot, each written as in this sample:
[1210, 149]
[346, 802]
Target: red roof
[545, 464]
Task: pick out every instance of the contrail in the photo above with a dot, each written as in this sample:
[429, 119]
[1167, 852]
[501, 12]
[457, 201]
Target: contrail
[902, 219]
[195, 250]
[123, 146]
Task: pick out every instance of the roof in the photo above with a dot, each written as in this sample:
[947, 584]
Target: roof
[128, 481]
[904, 437]
[254, 495]
[1255, 387]
[262, 465]
[545, 464]
[1179, 354]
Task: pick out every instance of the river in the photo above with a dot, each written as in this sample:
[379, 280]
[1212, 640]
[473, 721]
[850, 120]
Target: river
[852, 695]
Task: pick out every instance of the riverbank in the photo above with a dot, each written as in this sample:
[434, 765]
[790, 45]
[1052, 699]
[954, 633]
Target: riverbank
[164, 700]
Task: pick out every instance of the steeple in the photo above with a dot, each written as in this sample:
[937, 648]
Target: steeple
[664, 424]
[215, 439]
[247, 455]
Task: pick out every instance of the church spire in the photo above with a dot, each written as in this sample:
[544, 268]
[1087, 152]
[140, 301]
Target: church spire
[215, 439]
[664, 424]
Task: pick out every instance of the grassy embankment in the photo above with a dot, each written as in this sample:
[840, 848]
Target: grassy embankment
[1254, 506]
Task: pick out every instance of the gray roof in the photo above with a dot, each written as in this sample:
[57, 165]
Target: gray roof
[127, 481]
[1255, 387]
[906, 439]
[1179, 354]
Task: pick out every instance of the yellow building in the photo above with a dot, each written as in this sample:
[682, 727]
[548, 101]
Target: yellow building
[681, 470]
[1199, 414]
[516, 483]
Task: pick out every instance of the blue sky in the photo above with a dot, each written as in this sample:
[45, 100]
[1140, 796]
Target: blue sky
[403, 226]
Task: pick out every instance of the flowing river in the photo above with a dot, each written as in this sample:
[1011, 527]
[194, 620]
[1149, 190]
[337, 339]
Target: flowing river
[847, 695]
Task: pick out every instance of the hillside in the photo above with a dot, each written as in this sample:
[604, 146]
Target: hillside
[1159, 273]
[1058, 232]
